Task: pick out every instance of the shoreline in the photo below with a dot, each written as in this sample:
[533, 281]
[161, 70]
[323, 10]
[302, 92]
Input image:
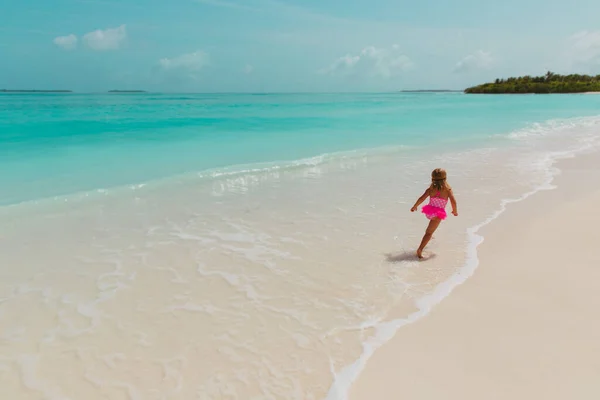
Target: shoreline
[345, 378]
[384, 374]
[318, 256]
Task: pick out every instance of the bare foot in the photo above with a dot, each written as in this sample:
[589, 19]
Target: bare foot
[420, 253]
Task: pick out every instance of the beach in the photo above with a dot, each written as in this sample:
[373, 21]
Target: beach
[216, 200]
[239, 246]
[524, 326]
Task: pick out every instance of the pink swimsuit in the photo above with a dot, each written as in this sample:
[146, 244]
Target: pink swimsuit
[436, 207]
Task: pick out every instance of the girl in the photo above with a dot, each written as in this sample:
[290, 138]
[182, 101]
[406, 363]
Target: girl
[439, 192]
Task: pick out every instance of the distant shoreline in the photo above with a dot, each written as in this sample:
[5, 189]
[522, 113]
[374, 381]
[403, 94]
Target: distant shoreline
[550, 83]
[526, 93]
[424, 91]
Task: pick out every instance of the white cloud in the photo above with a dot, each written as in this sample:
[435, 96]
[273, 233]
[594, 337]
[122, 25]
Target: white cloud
[248, 69]
[480, 60]
[586, 41]
[584, 49]
[190, 62]
[68, 42]
[108, 39]
[372, 61]
[344, 63]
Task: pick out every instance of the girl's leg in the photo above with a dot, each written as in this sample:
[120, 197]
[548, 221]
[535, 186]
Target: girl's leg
[433, 225]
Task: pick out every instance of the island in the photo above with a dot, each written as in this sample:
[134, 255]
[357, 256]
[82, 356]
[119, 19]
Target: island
[549, 83]
[127, 91]
[33, 91]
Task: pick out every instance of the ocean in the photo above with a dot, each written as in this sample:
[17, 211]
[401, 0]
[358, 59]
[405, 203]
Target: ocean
[239, 246]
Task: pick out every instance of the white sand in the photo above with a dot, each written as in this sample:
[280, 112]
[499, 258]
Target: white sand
[526, 325]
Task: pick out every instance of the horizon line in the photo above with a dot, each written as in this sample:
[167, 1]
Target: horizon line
[68, 91]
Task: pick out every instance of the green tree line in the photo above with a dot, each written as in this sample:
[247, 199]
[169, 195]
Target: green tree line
[549, 83]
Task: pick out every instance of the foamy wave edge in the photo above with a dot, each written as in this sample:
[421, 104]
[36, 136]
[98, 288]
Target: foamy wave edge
[384, 332]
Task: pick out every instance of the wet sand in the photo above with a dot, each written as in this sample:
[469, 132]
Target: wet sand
[525, 325]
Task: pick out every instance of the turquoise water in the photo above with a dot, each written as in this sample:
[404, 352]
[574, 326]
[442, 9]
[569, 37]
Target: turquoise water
[52, 145]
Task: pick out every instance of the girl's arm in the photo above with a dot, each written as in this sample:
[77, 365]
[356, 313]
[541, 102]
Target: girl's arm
[453, 202]
[420, 200]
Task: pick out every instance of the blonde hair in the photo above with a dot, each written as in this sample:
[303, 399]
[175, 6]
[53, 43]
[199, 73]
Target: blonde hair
[438, 179]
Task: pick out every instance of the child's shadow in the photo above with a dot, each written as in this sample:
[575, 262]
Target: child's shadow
[407, 256]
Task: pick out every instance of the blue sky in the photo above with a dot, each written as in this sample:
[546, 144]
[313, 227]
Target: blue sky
[290, 45]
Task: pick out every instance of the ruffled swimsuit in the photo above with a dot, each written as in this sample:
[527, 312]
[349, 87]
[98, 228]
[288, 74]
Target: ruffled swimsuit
[436, 207]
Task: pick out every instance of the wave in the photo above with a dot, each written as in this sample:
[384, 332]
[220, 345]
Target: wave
[555, 126]
[233, 171]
